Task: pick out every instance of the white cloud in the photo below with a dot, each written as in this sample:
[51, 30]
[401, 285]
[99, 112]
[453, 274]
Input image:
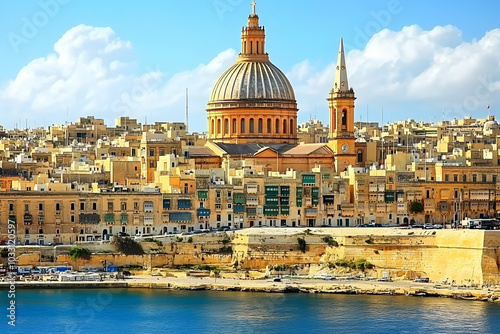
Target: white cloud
[412, 69]
[94, 72]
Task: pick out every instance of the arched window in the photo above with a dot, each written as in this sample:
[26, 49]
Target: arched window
[344, 117]
[218, 126]
[242, 127]
[464, 178]
[291, 127]
[250, 126]
[213, 127]
[360, 156]
[257, 47]
[251, 47]
[268, 125]
[234, 125]
[284, 126]
[260, 125]
[277, 126]
[226, 126]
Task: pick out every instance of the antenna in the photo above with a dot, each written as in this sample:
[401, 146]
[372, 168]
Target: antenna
[187, 110]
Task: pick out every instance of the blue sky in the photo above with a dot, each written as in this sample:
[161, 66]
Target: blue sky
[413, 58]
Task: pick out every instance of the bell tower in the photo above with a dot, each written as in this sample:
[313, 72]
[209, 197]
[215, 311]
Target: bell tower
[341, 103]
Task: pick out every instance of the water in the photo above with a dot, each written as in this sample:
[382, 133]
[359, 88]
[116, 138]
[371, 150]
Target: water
[161, 311]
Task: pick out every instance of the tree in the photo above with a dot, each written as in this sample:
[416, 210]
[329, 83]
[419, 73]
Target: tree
[79, 253]
[127, 246]
[302, 244]
[416, 207]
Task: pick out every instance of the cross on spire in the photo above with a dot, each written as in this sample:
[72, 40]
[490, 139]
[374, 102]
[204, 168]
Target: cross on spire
[253, 7]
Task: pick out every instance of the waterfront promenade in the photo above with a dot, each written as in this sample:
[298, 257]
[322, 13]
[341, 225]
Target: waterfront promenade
[408, 288]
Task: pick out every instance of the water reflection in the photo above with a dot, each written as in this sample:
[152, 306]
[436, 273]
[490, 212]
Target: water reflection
[161, 311]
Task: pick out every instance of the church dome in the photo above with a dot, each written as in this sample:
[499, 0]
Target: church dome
[490, 125]
[251, 80]
[252, 101]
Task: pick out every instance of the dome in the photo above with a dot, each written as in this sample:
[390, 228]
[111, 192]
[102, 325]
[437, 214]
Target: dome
[250, 80]
[490, 125]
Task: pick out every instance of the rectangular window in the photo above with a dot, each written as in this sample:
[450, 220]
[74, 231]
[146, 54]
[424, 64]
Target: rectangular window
[72, 206]
[40, 206]
[58, 206]
[124, 206]
[26, 207]
[82, 206]
[110, 206]
[94, 206]
[72, 218]
[218, 218]
[229, 217]
[151, 153]
[11, 206]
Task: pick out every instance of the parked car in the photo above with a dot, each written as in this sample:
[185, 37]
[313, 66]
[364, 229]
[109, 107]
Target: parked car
[123, 234]
[421, 279]
[329, 277]
[385, 279]
[437, 226]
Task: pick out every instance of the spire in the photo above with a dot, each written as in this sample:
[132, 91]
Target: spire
[253, 8]
[341, 84]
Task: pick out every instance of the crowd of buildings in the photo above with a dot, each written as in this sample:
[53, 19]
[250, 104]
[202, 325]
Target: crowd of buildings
[255, 166]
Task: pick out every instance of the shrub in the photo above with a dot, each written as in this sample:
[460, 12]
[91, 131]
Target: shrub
[205, 267]
[343, 263]
[362, 264]
[127, 246]
[190, 240]
[179, 239]
[302, 244]
[79, 253]
[158, 242]
[307, 232]
[331, 242]
[4, 253]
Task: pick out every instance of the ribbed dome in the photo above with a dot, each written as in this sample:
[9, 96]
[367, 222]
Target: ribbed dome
[252, 80]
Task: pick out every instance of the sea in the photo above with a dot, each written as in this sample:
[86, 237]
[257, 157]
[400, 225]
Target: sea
[141, 311]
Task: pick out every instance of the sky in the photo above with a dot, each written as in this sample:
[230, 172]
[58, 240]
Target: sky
[425, 60]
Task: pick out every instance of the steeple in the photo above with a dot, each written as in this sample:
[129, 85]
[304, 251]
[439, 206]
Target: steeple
[341, 84]
[253, 39]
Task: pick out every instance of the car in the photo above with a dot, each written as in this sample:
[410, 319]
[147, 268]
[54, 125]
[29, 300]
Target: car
[277, 279]
[421, 280]
[385, 279]
[428, 226]
[123, 234]
[329, 277]
[417, 225]
[437, 226]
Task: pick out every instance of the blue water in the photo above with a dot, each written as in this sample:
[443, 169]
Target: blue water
[161, 311]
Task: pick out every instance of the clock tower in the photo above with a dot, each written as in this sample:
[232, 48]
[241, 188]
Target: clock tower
[341, 103]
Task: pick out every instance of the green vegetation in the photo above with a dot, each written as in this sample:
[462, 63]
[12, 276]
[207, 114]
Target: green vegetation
[302, 244]
[283, 267]
[360, 264]
[416, 207]
[179, 239]
[127, 246]
[205, 267]
[79, 253]
[190, 240]
[307, 232]
[158, 242]
[331, 242]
